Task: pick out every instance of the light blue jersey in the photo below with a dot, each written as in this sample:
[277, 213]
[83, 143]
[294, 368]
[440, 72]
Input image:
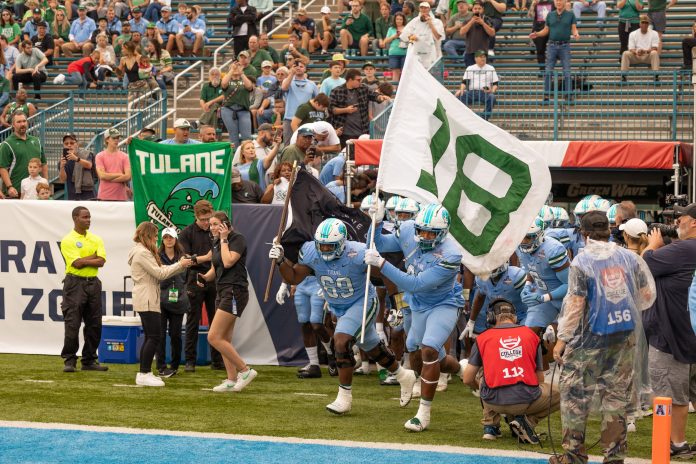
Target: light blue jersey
[542, 265]
[508, 285]
[343, 278]
[577, 242]
[563, 235]
[431, 276]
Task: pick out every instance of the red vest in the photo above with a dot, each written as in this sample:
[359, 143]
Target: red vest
[509, 356]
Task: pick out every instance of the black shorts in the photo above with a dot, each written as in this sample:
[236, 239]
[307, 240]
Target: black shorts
[232, 299]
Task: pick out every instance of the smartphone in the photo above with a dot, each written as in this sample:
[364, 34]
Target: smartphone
[65, 152]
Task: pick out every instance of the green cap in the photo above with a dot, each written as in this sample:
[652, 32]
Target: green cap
[480, 53]
[150, 26]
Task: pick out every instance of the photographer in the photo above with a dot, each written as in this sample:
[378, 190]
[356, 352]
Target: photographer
[667, 323]
[477, 30]
[425, 33]
[235, 113]
[76, 170]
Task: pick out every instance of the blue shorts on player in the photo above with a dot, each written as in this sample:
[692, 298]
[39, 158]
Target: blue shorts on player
[350, 322]
[432, 328]
[309, 303]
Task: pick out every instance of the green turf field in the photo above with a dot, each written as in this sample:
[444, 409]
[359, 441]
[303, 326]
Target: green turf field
[269, 406]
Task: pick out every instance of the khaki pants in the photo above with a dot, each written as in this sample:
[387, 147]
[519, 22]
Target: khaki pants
[535, 411]
[628, 58]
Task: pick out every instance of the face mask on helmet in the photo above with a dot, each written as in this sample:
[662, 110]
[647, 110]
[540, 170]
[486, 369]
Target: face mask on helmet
[330, 239]
[498, 271]
[431, 226]
[390, 206]
[546, 214]
[406, 210]
[535, 236]
[560, 216]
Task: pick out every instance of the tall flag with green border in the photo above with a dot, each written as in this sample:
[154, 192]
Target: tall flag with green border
[436, 150]
[169, 179]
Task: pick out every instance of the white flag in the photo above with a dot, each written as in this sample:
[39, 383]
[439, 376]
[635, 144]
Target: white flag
[437, 150]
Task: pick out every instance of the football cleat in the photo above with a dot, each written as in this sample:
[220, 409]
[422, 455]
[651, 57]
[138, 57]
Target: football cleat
[342, 404]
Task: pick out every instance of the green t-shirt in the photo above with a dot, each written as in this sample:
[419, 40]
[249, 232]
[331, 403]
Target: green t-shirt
[260, 57]
[359, 27]
[560, 27]
[120, 40]
[274, 54]
[382, 26]
[291, 153]
[208, 92]
[235, 93]
[306, 113]
[629, 13]
[15, 154]
[61, 32]
[11, 31]
[461, 19]
[49, 14]
[657, 5]
[251, 72]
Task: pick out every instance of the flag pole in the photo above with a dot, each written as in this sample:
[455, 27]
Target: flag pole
[281, 228]
[370, 245]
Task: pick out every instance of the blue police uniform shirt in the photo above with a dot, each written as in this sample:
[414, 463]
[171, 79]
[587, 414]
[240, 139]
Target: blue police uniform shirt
[542, 265]
[244, 171]
[343, 278]
[431, 276]
[509, 286]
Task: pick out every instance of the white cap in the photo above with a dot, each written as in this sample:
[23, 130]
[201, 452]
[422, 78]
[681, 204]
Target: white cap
[182, 123]
[424, 5]
[634, 227]
[170, 231]
[325, 10]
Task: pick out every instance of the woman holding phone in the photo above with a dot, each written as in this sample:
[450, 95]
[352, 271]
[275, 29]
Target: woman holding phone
[147, 271]
[229, 272]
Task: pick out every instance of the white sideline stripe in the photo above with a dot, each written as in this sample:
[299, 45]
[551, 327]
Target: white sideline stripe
[293, 440]
[38, 381]
[310, 394]
[124, 385]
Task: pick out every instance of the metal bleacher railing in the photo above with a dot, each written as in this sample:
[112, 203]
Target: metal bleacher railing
[600, 106]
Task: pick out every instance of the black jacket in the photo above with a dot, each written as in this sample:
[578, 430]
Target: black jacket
[237, 18]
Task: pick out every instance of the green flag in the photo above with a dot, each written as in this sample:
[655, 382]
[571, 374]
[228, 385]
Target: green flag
[169, 179]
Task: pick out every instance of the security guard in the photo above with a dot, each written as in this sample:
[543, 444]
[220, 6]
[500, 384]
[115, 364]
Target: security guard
[513, 376]
[84, 254]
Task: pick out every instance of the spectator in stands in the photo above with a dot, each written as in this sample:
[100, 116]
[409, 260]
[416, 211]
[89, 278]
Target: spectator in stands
[382, 25]
[425, 33]
[43, 191]
[182, 134]
[257, 55]
[479, 85]
[277, 191]
[10, 29]
[494, 10]
[629, 21]
[409, 10]
[314, 110]
[129, 66]
[10, 53]
[477, 31]
[107, 58]
[333, 170]
[326, 139]
[29, 183]
[334, 80]
[667, 324]
[325, 35]
[60, 28]
[82, 72]
[153, 11]
[243, 20]
[598, 6]
[138, 23]
[291, 50]
[31, 28]
[30, 68]
[124, 37]
[15, 153]
[266, 81]
[168, 28]
[181, 12]
[538, 12]
[192, 33]
[302, 26]
[370, 76]
[397, 47]
[44, 42]
[456, 42]
[384, 88]
[356, 30]
[688, 44]
[76, 170]
[560, 27]
[643, 45]
[252, 168]
[22, 104]
[162, 61]
[297, 151]
[151, 35]
[4, 82]
[244, 191]
[207, 134]
[298, 90]
[264, 45]
[247, 68]
[235, 107]
[264, 9]
[349, 106]
[113, 170]
[113, 23]
[80, 34]
[50, 9]
[211, 98]
[657, 12]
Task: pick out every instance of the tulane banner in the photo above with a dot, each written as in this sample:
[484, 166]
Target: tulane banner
[169, 179]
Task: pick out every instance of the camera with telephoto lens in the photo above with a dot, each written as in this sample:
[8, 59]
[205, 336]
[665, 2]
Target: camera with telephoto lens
[668, 233]
[679, 200]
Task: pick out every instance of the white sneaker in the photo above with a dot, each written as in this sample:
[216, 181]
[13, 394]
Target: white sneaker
[343, 402]
[416, 389]
[408, 380]
[491, 54]
[441, 383]
[463, 363]
[361, 371]
[417, 424]
[631, 426]
[244, 379]
[691, 408]
[225, 386]
[148, 380]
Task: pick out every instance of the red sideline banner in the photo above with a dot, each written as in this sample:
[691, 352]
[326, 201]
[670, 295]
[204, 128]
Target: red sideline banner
[583, 155]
